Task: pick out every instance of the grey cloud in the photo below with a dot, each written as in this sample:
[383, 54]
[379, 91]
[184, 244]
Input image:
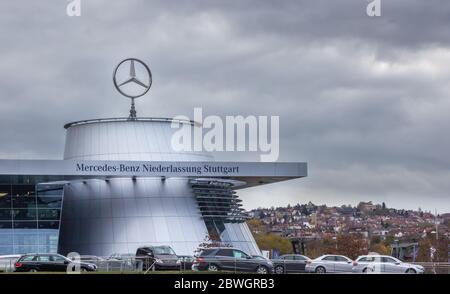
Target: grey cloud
[363, 100]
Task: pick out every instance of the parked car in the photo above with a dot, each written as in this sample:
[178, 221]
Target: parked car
[290, 263]
[7, 262]
[186, 262]
[384, 264]
[161, 257]
[48, 263]
[230, 259]
[329, 264]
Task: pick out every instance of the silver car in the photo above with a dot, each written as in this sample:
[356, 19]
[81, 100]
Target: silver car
[329, 264]
[384, 264]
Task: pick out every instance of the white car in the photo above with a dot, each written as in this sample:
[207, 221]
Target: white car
[329, 264]
[384, 264]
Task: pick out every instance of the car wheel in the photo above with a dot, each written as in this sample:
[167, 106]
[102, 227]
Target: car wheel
[32, 270]
[279, 269]
[411, 271]
[320, 270]
[83, 269]
[213, 268]
[262, 270]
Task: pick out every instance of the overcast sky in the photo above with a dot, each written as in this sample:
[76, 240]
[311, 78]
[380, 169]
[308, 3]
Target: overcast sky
[363, 100]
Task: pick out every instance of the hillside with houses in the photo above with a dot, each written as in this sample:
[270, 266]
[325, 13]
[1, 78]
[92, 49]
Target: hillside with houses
[374, 226]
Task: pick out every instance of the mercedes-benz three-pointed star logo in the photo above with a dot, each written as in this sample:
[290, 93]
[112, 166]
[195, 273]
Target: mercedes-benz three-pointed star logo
[132, 78]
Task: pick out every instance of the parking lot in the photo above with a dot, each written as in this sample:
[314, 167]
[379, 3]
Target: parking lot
[127, 264]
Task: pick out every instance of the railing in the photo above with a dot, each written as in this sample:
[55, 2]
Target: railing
[142, 264]
[435, 267]
[7, 264]
[231, 265]
[113, 265]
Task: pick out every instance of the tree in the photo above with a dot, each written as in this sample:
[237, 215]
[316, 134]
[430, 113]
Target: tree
[388, 240]
[375, 240]
[351, 246]
[256, 226]
[441, 246]
[381, 248]
[273, 241]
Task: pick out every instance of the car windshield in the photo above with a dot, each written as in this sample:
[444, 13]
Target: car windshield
[164, 251]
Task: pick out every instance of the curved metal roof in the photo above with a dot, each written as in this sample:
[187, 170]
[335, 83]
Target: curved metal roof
[124, 119]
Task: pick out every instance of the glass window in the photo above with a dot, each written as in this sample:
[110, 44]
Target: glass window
[58, 258]
[6, 239]
[28, 258]
[388, 260]
[163, 251]
[206, 252]
[23, 249]
[24, 214]
[26, 239]
[225, 252]
[5, 214]
[48, 238]
[5, 198]
[24, 201]
[288, 257]
[341, 258]
[49, 202]
[299, 257]
[239, 254]
[48, 214]
[44, 258]
[50, 192]
[6, 225]
[6, 250]
[48, 225]
[22, 190]
[329, 258]
[373, 259]
[25, 224]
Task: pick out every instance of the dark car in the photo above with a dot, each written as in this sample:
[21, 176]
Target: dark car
[158, 258]
[290, 263]
[48, 263]
[231, 259]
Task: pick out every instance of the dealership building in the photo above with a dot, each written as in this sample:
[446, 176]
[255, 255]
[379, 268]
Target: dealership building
[120, 185]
